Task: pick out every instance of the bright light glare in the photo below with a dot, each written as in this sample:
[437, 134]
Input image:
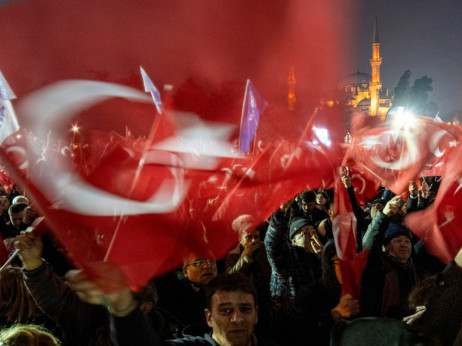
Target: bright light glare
[75, 128]
[403, 119]
[323, 135]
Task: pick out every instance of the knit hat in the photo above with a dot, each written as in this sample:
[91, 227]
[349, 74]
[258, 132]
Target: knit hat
[395, 230]
[298, 223]
[244, 223]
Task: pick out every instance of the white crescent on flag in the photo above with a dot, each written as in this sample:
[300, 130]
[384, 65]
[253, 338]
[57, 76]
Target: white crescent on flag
[65, 188]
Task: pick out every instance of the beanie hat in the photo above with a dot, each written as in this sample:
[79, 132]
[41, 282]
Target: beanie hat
[395, 230]
[298, 223]
[244, 223]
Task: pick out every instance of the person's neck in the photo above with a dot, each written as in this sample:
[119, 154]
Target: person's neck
[252, 341]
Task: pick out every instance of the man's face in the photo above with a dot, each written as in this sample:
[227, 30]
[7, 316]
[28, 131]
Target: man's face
[320, 199]
[200, 271]
[374, 208]
[303, 236]
[400, 248]
[251, 237]
[308, 206]
[232, 318]
[4, 203]
[16, 219]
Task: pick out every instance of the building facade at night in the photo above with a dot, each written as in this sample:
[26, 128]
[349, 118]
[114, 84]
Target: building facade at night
[364, 92]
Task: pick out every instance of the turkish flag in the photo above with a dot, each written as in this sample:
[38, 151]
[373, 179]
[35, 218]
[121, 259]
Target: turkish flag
[351, 263]
[364, 188]
[440, 225]
[393, 155]
[145, 202]
[443, 143]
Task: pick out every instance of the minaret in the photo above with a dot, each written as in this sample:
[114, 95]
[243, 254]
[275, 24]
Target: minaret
[376, 61]
[291, 96]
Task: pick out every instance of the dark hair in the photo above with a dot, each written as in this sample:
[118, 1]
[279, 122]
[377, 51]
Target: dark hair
[17, 208]
[308, 196]
[16, 303]
[148, 294]
[229, 283]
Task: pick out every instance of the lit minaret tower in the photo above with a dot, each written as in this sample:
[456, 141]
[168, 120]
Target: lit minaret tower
[376, 61]
[291, 96]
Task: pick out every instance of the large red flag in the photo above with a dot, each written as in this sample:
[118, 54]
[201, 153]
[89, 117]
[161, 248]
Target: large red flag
[364, 188]
[442, 143]
[393, 155]
[147, 220]
[440, 225]
[344, 223]
[344, 231]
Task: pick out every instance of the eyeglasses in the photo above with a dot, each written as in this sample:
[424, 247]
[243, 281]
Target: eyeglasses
[304, 231]
[250, 237]
[199, 262]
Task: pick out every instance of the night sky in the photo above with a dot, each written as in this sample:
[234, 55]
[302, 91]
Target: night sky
[424, 36]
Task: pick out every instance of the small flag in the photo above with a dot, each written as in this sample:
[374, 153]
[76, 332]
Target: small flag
[150, 87]
[8, 122]
[251, 109]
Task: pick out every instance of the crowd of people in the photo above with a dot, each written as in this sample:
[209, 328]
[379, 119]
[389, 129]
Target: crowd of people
[281, 285]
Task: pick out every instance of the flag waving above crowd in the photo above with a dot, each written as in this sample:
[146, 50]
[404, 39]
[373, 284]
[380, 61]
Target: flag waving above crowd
[178, 192]
[202, 154]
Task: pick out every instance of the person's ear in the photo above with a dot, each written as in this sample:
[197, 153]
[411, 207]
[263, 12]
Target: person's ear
[208, 317]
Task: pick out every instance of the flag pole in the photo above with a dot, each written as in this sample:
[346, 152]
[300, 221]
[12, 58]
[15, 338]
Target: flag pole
[243, 111]
[11, 259]
[152, 133]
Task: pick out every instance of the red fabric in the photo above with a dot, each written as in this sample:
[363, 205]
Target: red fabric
[442, 230]
[170, 209]
[443, 143]
[352, 271]
[201, 58]
[6, 181]
[364, 188]
[393, 157]
[344, 223]
[3, 252]
[351, 263]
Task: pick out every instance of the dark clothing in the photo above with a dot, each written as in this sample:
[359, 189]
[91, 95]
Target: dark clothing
[361, 218]
[82, 323]
[441, 322]
[259, 271]
[386, 282]
[328, 227]
[133, 330]
[9, 231]
[182, 298]
[315, 215]
[416, 204]
[315, 301]
[313, 317]
[292, 267]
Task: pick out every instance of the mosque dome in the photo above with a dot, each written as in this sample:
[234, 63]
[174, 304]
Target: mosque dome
[364, 103]
[355, 79]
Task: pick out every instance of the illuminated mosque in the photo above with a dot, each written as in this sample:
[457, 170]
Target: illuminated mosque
[363, 92]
